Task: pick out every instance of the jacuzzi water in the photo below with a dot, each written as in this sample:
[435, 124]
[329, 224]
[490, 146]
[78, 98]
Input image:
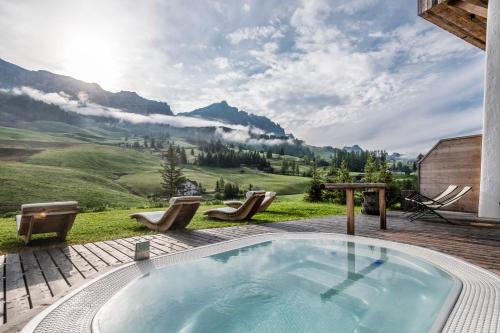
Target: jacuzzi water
[285, 286]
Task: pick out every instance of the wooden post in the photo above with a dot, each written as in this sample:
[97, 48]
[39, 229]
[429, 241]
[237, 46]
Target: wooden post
[381, 202]
[350, 210]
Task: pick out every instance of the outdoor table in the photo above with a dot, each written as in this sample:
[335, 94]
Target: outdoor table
[349, 190]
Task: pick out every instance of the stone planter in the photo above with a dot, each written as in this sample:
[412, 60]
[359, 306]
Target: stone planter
[370, 203]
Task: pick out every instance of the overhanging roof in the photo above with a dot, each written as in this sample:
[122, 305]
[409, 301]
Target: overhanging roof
[465, 19]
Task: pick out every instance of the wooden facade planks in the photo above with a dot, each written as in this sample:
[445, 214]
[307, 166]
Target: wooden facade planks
[465, 19]
[37, 278]
[453, 161]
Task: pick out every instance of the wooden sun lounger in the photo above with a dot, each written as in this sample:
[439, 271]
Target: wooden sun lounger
[268, 200]
[40, 218]
[243, 212]
[178, 215]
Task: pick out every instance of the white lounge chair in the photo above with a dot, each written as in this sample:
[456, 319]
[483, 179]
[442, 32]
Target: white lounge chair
[418, 198]
[178, 215]
[40, 218]
[427, 209]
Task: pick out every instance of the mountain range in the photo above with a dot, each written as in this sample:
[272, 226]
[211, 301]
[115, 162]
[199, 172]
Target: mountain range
[230, 114]
[13, 76]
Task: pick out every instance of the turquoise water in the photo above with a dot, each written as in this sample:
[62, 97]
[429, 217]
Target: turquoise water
[284, 286]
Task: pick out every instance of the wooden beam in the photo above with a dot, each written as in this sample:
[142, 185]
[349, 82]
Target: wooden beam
[470, 8]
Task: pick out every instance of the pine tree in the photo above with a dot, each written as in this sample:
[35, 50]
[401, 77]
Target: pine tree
[314, 192]
[192, 152]
[182, 156]
[221, 184]
[172, 178]
[343, 175]
[384, 174]
[370, 169]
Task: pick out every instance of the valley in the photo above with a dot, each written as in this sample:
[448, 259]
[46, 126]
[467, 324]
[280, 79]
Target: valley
[98, 173]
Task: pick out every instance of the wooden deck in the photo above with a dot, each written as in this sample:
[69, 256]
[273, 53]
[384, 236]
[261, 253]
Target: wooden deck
[32, 280]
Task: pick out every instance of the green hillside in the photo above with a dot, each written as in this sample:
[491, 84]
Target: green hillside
[112, 161]
[7, 133]
[24, 183]
[149, 182]
[97, 176]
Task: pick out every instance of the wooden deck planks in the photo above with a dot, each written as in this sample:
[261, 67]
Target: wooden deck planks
[94, 261]
[56, 280]
[16, 294]
[37, 278]
[70, 272]
[2, 295]
[82, 265]
[108, 253]
[40, 293]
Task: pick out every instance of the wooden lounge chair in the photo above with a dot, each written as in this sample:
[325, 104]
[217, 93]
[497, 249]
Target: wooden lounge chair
[177, 216]
[243, 212]
[429, 209]
[268, 200]
[41, 218]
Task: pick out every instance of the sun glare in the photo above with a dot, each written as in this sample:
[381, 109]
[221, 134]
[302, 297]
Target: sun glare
[91, 58]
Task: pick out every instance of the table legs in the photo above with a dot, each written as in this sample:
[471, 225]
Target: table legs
[381, 202]
[350, 211]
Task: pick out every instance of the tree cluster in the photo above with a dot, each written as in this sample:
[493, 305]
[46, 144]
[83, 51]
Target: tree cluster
[290, 168]
[227, 190]
[216, 154]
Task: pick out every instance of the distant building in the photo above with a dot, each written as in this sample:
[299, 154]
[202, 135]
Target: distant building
[191, 188]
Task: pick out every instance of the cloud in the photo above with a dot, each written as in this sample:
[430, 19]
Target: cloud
[221, 62]
[332, 72]
[82, 106]
[86, 108]
[250, 137]
[254, 33]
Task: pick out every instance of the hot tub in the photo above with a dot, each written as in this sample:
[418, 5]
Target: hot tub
[275, 283]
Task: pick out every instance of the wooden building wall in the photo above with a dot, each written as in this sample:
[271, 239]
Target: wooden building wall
[453, 161]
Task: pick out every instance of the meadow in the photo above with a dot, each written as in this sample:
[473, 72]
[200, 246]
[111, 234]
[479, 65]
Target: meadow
[113, 224]
[89, 167]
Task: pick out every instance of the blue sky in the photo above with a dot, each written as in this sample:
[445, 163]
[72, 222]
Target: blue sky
[335, 73]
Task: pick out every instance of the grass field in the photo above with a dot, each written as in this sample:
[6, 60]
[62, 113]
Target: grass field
[149, 182]
[64, 166]
[7, 133]
[24, 183]
[90, 227]
[111, 161]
